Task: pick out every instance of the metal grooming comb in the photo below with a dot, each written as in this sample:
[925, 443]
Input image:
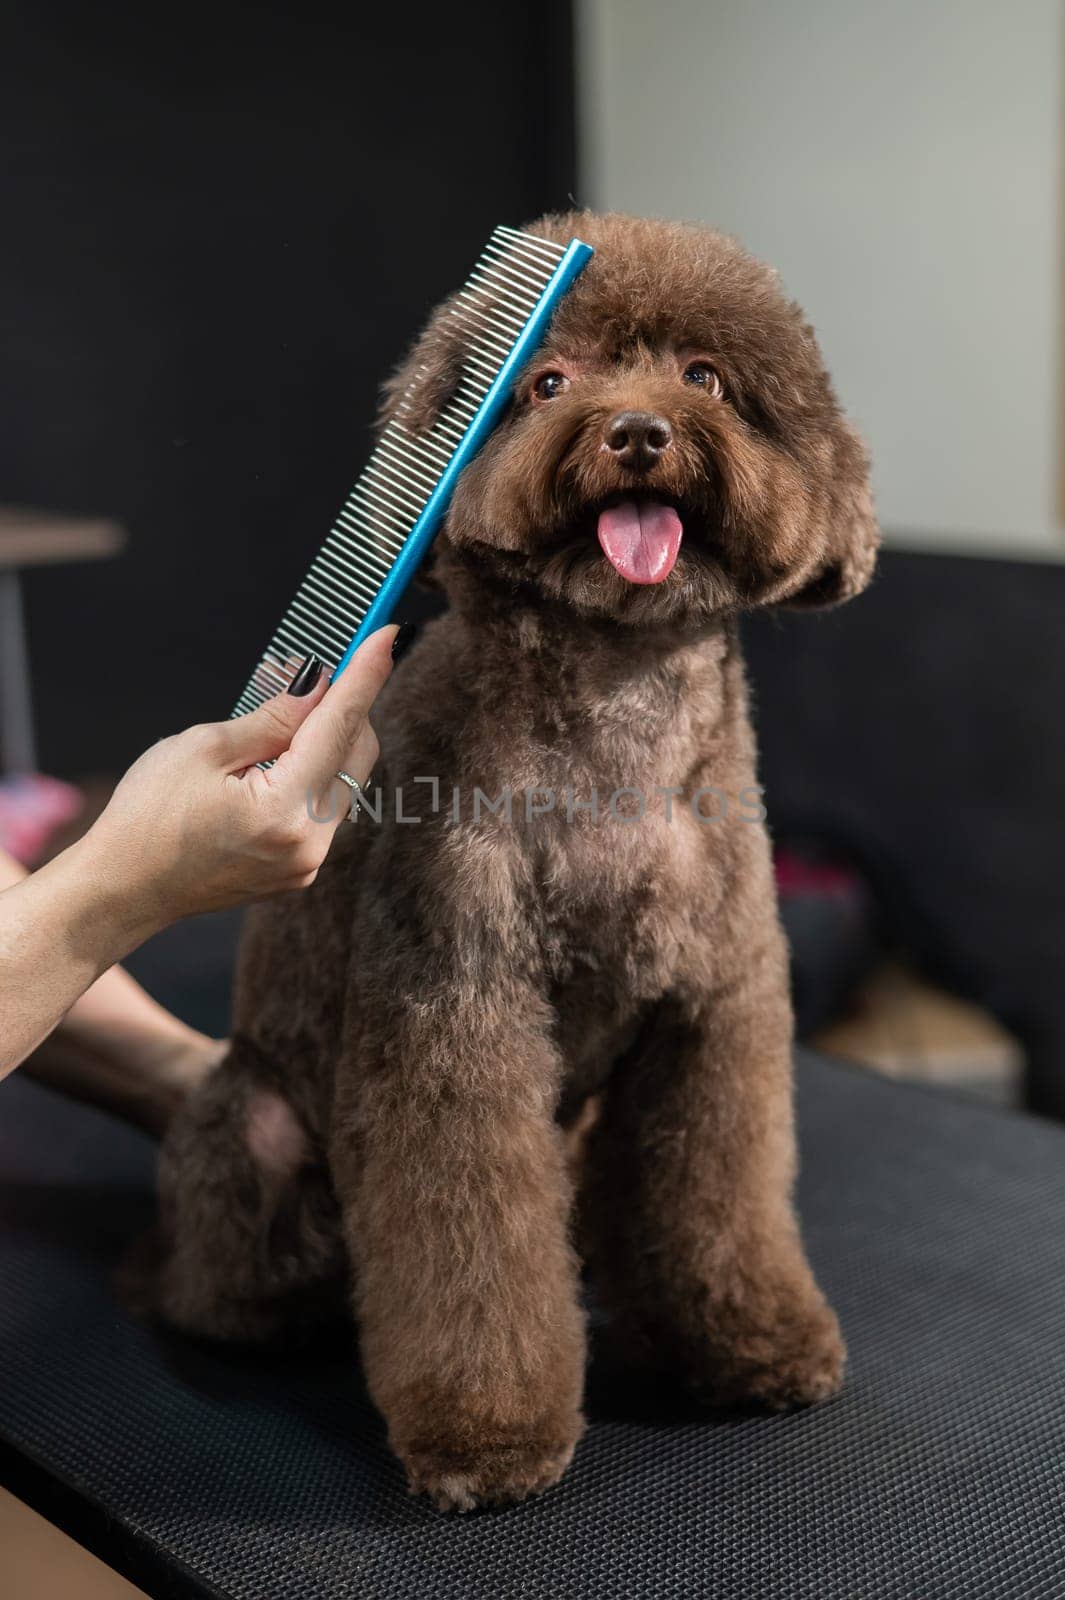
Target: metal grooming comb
[389, 519]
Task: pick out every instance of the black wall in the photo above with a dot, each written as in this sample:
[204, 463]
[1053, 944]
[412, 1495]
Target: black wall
[221, 229]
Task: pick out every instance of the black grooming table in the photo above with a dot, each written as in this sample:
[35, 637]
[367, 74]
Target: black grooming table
[938, 1228]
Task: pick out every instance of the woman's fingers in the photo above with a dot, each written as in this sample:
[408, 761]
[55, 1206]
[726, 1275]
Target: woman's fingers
[326, 740]
[267, 732]
[359, 764]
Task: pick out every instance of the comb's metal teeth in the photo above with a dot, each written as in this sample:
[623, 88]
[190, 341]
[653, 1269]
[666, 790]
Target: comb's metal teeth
[487, 345]
[378, 490]
[319, 638]
[450, 427]
[419, 448]
[451, 436]
[373, 522]
[399, 437]
[298, 645]
[398, 494]
[526, 248]
[477, 325]
[419, 445]
[403, 442]
[479, 342]
[500, 305]
[533, 269]
[454, 403]
[544, 252]
[284, 661]
[464, 389]
[393, 514]
[364, 547]
[394, 452]
[341, 541]
[450, 432]
[355, 528]
[306, 607]
[478, 314]
[499, 316]
[407, 504]
[352, 587]
[528, 260]
[366, 552]
[526, 252]
[425, 449]
[351, 591]
[274, 674]
[485, 371]
[273, 671]
[319, 624]
[400, 469]
[346, 620]
[486, 321]
[353, 541]
[531, 241]
[324, 585]
[366, 571]
[456, 415]
[266, 681]
[474, 319]
[495, 288]
[371, 527]
[505, 315]
[520, 284]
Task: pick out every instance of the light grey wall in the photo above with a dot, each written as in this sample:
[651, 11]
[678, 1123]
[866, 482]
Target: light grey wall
[900, 163]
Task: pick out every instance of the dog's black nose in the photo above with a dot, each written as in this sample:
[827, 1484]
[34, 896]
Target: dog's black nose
[638, 438]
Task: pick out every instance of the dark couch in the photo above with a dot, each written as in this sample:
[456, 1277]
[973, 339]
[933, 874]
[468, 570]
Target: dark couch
[919, 729]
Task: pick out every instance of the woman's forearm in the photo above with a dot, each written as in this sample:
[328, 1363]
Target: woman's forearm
[117, 1047]
[59, 931]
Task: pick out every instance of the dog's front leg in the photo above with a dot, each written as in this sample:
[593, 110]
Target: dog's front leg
[687, 1208]
[457, 1208]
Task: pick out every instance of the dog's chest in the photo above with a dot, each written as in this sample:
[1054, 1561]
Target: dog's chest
[613, 896]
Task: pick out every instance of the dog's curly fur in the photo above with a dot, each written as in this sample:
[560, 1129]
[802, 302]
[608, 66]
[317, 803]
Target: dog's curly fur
[415, 1034]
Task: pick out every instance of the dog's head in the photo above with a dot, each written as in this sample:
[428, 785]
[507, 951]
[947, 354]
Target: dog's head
[675, 450]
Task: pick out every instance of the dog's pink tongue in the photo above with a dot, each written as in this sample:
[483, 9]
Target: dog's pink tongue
[641, 539]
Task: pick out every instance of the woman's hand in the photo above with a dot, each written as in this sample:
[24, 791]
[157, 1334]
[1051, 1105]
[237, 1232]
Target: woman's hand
[195, 825]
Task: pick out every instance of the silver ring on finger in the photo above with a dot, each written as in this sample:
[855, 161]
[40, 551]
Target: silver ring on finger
[356, 792]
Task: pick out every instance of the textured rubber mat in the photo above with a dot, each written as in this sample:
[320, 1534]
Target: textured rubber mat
[938, 1229]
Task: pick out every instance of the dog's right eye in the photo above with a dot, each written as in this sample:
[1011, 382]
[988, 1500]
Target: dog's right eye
[549, 385]
[701, 375]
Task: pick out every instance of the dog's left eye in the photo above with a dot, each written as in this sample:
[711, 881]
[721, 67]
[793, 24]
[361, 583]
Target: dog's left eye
[701, 375]
[549, 385]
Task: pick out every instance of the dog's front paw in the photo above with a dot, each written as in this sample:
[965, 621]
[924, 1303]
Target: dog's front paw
[495, 1472]
[794, 1360]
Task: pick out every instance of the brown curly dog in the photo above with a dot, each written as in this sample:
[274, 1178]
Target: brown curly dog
[583, 906]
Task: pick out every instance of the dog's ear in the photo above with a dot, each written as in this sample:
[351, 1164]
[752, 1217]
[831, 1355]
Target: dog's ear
[849, 536]
[427, 377]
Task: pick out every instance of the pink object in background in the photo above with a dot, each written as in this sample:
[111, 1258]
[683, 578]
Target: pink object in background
[31, 808]
[797, 874]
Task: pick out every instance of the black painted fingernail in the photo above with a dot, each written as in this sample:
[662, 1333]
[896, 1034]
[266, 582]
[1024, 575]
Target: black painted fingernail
[306, 677]
[404, 639]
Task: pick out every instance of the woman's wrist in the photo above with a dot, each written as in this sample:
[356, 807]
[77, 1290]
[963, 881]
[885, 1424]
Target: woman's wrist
[111, 904]
[60, 930]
